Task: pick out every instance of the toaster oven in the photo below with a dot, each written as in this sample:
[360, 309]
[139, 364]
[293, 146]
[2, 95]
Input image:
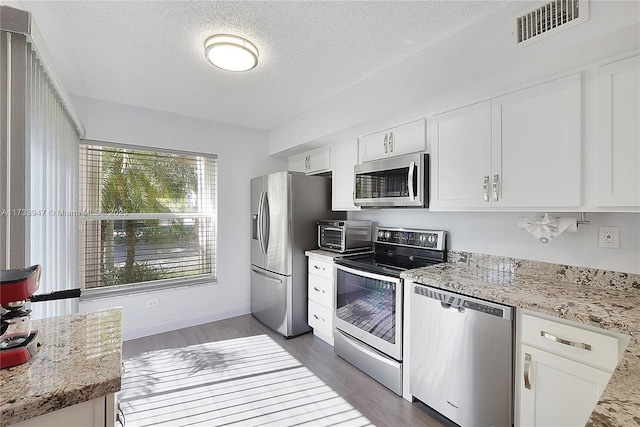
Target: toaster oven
[344, 236]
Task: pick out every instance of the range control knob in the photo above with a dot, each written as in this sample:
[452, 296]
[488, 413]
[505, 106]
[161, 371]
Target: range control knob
[423, 238]
[387, 234]
[432, 238]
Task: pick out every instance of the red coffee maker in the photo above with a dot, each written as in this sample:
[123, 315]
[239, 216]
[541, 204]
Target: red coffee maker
[18, 343]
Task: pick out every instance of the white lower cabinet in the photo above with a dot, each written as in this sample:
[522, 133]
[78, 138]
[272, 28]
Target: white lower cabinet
[562, 370]
[557, 391]
[321, 291]
[96, 412]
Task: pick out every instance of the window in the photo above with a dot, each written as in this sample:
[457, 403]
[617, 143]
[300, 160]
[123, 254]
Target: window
[148, 218]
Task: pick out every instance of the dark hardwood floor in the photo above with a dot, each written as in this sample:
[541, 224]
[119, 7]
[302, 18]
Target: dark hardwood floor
[374, 401]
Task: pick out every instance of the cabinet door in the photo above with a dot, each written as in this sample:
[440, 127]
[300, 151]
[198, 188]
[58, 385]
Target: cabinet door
[344, 158]
[298, 163]
[311, 162]
[409, 138]
[536, 153]
[319, 160]
[461, 158]
[618, 134]
[405, 139]
[555, 391]
[374, 146]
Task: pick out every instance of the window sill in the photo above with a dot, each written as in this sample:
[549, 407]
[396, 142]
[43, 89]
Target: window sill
[141, 288]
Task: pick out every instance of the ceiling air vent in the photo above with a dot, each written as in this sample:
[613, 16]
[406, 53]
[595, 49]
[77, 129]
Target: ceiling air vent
[548, 19]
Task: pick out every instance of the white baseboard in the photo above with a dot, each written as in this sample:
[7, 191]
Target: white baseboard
[184, 322]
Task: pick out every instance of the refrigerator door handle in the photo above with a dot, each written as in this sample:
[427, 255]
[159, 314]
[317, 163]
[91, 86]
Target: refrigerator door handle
[267, 221]
[266, 276]
[259, 222]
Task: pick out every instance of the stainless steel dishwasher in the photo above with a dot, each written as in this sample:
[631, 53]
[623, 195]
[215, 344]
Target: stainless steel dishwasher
[461, 353]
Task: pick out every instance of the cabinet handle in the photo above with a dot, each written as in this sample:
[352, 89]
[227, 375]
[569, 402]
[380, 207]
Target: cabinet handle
[581, 345]
[485, 188]
[527, 369]
[496, 183]
[391, 144]
[318, 268]
[318, 318]
[386, 143]
[318, 290]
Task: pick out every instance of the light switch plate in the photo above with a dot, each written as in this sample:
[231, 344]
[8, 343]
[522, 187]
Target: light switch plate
[609, 237]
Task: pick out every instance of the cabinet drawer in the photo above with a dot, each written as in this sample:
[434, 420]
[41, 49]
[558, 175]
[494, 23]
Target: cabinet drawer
[321, 268]
[321, 291]
[320, 319]
[568, 340]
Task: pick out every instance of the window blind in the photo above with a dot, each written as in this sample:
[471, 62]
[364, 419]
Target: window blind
[148, 218]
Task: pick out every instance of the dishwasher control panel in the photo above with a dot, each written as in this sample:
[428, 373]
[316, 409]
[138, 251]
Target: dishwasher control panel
[460, 303]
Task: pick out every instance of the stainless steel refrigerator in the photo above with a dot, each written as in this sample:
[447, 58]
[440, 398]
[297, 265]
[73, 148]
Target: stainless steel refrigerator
[284, 209]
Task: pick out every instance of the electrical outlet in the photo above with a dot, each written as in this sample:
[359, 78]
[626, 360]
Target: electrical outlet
[151, 303]
[609, 237]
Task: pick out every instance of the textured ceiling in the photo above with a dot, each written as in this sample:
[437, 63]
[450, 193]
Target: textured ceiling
[150, 53]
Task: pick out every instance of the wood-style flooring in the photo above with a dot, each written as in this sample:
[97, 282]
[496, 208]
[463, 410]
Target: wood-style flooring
[374, 401]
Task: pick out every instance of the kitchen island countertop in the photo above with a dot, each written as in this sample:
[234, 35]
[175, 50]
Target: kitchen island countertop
[606, 300]
[80, 360]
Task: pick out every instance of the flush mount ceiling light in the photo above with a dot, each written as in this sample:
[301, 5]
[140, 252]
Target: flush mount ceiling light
[231, 53]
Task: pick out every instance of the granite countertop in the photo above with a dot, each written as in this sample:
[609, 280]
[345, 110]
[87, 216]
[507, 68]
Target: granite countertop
[603, 299]
[329, 256]
[80, 360]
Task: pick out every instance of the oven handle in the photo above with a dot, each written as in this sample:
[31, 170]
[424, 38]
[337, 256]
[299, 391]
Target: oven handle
[366, 350]
[368, 274]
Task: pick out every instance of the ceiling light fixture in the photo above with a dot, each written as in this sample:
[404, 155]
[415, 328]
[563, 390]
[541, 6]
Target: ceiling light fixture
[231, 53]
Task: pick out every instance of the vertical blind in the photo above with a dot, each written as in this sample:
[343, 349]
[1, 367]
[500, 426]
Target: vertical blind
[52, 193]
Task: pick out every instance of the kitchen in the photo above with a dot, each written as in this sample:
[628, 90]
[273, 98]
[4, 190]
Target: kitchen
[363, 109]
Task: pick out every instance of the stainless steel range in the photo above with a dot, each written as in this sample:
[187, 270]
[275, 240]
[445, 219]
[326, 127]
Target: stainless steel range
[369, 297]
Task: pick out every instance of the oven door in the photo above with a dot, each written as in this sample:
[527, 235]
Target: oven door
[369, 308]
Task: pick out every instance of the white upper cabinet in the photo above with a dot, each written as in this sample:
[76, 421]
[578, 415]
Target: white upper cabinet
[312, 162]
[618, 135]
[344, 156]
[460, 157]
[405, 139]
[536, 146]
[521, 150]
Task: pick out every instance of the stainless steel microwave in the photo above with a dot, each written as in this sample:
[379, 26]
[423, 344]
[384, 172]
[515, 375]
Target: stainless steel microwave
[400, 181]
[344, 236]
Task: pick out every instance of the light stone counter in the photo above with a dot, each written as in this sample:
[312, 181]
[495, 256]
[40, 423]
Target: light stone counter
[604, 299]
[328, 256]
[323, 255]
[80, 360]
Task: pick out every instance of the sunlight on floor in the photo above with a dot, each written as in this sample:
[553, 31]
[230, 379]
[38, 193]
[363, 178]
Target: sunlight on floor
[246, 381]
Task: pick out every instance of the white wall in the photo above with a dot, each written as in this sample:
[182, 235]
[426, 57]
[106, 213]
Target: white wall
[496, 233]
[474, 64]
[242, 154]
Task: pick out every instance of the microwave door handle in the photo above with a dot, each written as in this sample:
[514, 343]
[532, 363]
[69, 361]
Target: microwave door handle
[412, 195]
